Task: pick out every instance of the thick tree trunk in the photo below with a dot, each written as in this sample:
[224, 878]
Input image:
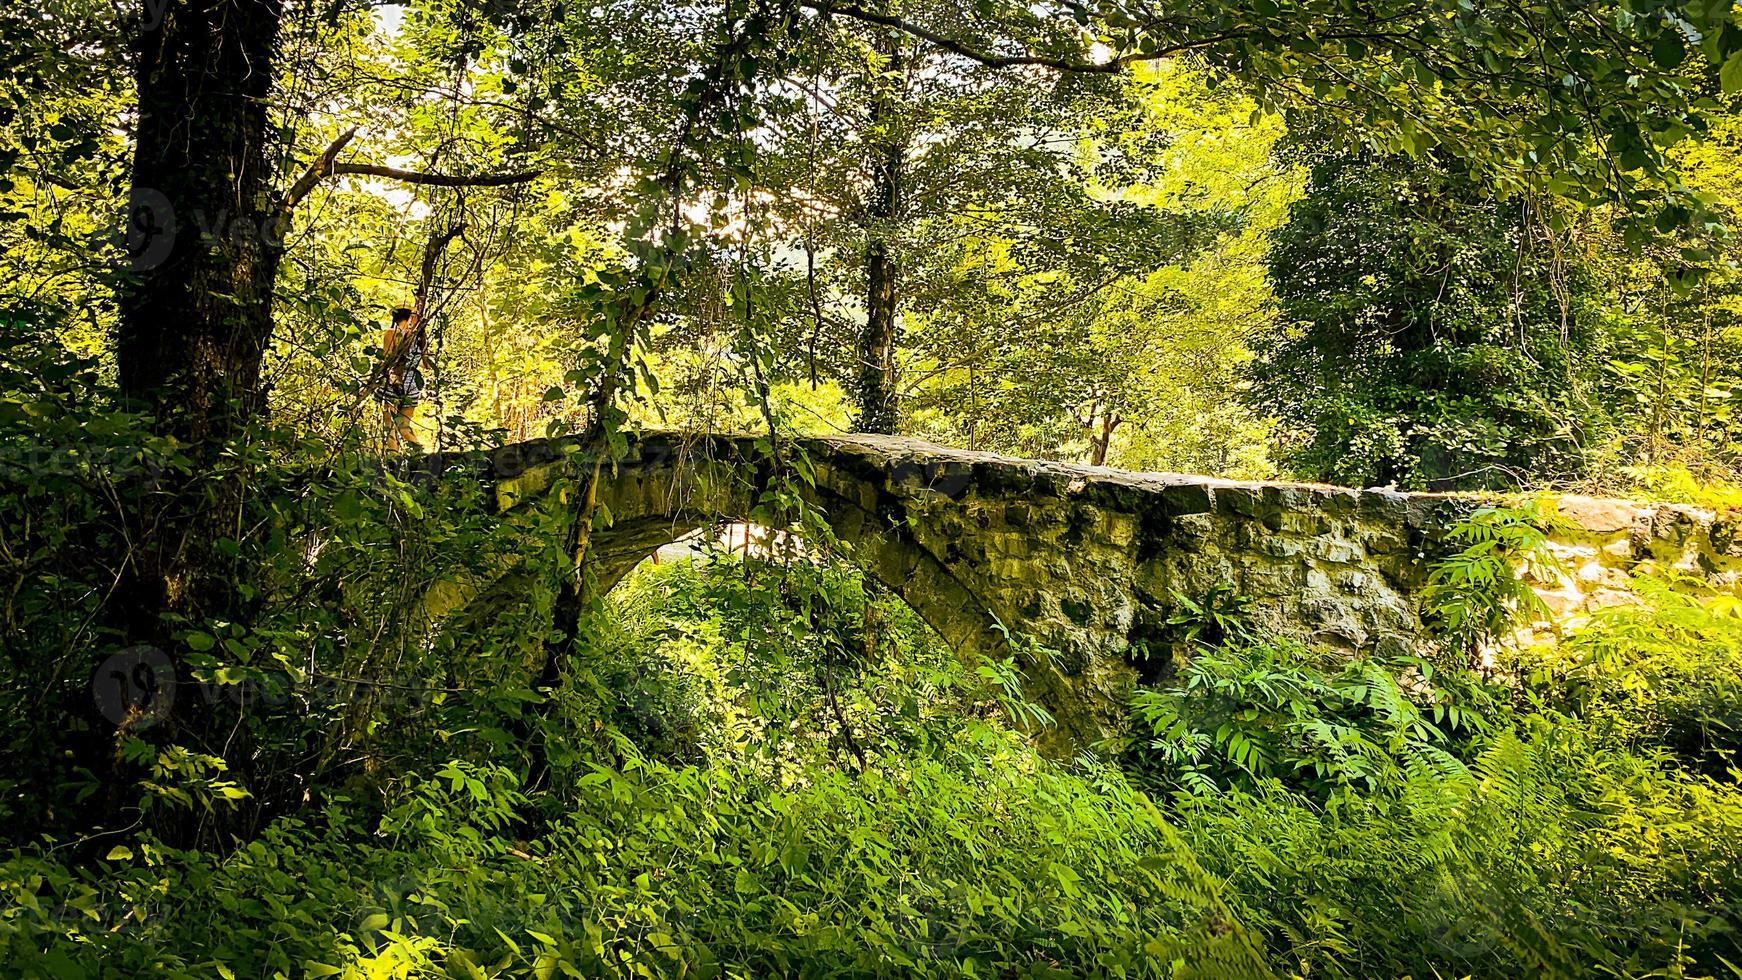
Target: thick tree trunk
[204, 246]
[206, 240]
[878, 410]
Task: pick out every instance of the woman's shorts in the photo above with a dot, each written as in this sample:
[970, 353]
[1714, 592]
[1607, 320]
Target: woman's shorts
[404, 393]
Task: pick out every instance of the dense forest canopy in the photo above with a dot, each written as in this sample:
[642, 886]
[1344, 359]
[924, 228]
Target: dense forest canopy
[293, 698]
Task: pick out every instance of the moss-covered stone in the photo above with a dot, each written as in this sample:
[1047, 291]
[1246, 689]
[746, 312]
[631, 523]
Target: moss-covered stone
[1086, 561]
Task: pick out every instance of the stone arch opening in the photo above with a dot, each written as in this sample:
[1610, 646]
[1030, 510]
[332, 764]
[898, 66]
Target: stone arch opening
[651, 510]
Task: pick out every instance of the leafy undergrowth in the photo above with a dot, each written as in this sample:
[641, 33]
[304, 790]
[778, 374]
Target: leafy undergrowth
[783, 805]
[1664, 673]
[1372, 823]
[982, 863]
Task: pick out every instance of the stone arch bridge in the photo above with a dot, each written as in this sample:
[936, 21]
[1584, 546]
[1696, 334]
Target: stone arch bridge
[1088, 561]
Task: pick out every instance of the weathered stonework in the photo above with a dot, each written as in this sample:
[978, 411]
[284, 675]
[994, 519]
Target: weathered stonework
[1607, 542]
[1086, 561]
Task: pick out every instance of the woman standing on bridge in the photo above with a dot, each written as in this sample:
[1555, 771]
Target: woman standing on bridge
[403, 359]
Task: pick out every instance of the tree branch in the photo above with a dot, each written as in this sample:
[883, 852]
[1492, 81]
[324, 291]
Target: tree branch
[327, 165]
[318, 169]
[432, 253]
[992, 60]
[436, 180]
[954, 46]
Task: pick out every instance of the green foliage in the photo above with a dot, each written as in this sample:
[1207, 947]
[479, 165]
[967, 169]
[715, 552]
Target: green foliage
[769, 766]
[725, 656]
[1413, 86]
[1322, 816]
[1389, 818]
[1006, 682]
[1247, 714]
[1433, 334]
[1664, 674]
[1217, 617]
[1392, 817]
[1546, 854]
[1544, 851]
[1476, 592]
[1679, 485]
[659, 871]
[1083, 344]
[336, 679]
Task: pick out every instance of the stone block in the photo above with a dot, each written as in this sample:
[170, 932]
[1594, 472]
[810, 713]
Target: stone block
[1394, 645]
[1380, 542]
[1238, 501]
[1388, 611]
[1274, 580]
[1192, 530]
[1338, 503]
[1670, 525]
[1304, 522]
[1186, 498]
[1596, 574]
[1384, 507]
[1354, 582]
[1247, 535]
[1601, 516]
[1423, 513]
[1335, 626]
[1561, 602]
[1077, 609]
[1338, 552]
[1570, 553]
[1279, 547]
[1724, 537]
[1120, 529]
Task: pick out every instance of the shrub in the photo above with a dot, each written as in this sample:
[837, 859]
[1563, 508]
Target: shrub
[1318, 722]
[980, 862]
[1475, 592]
[1665, 673]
